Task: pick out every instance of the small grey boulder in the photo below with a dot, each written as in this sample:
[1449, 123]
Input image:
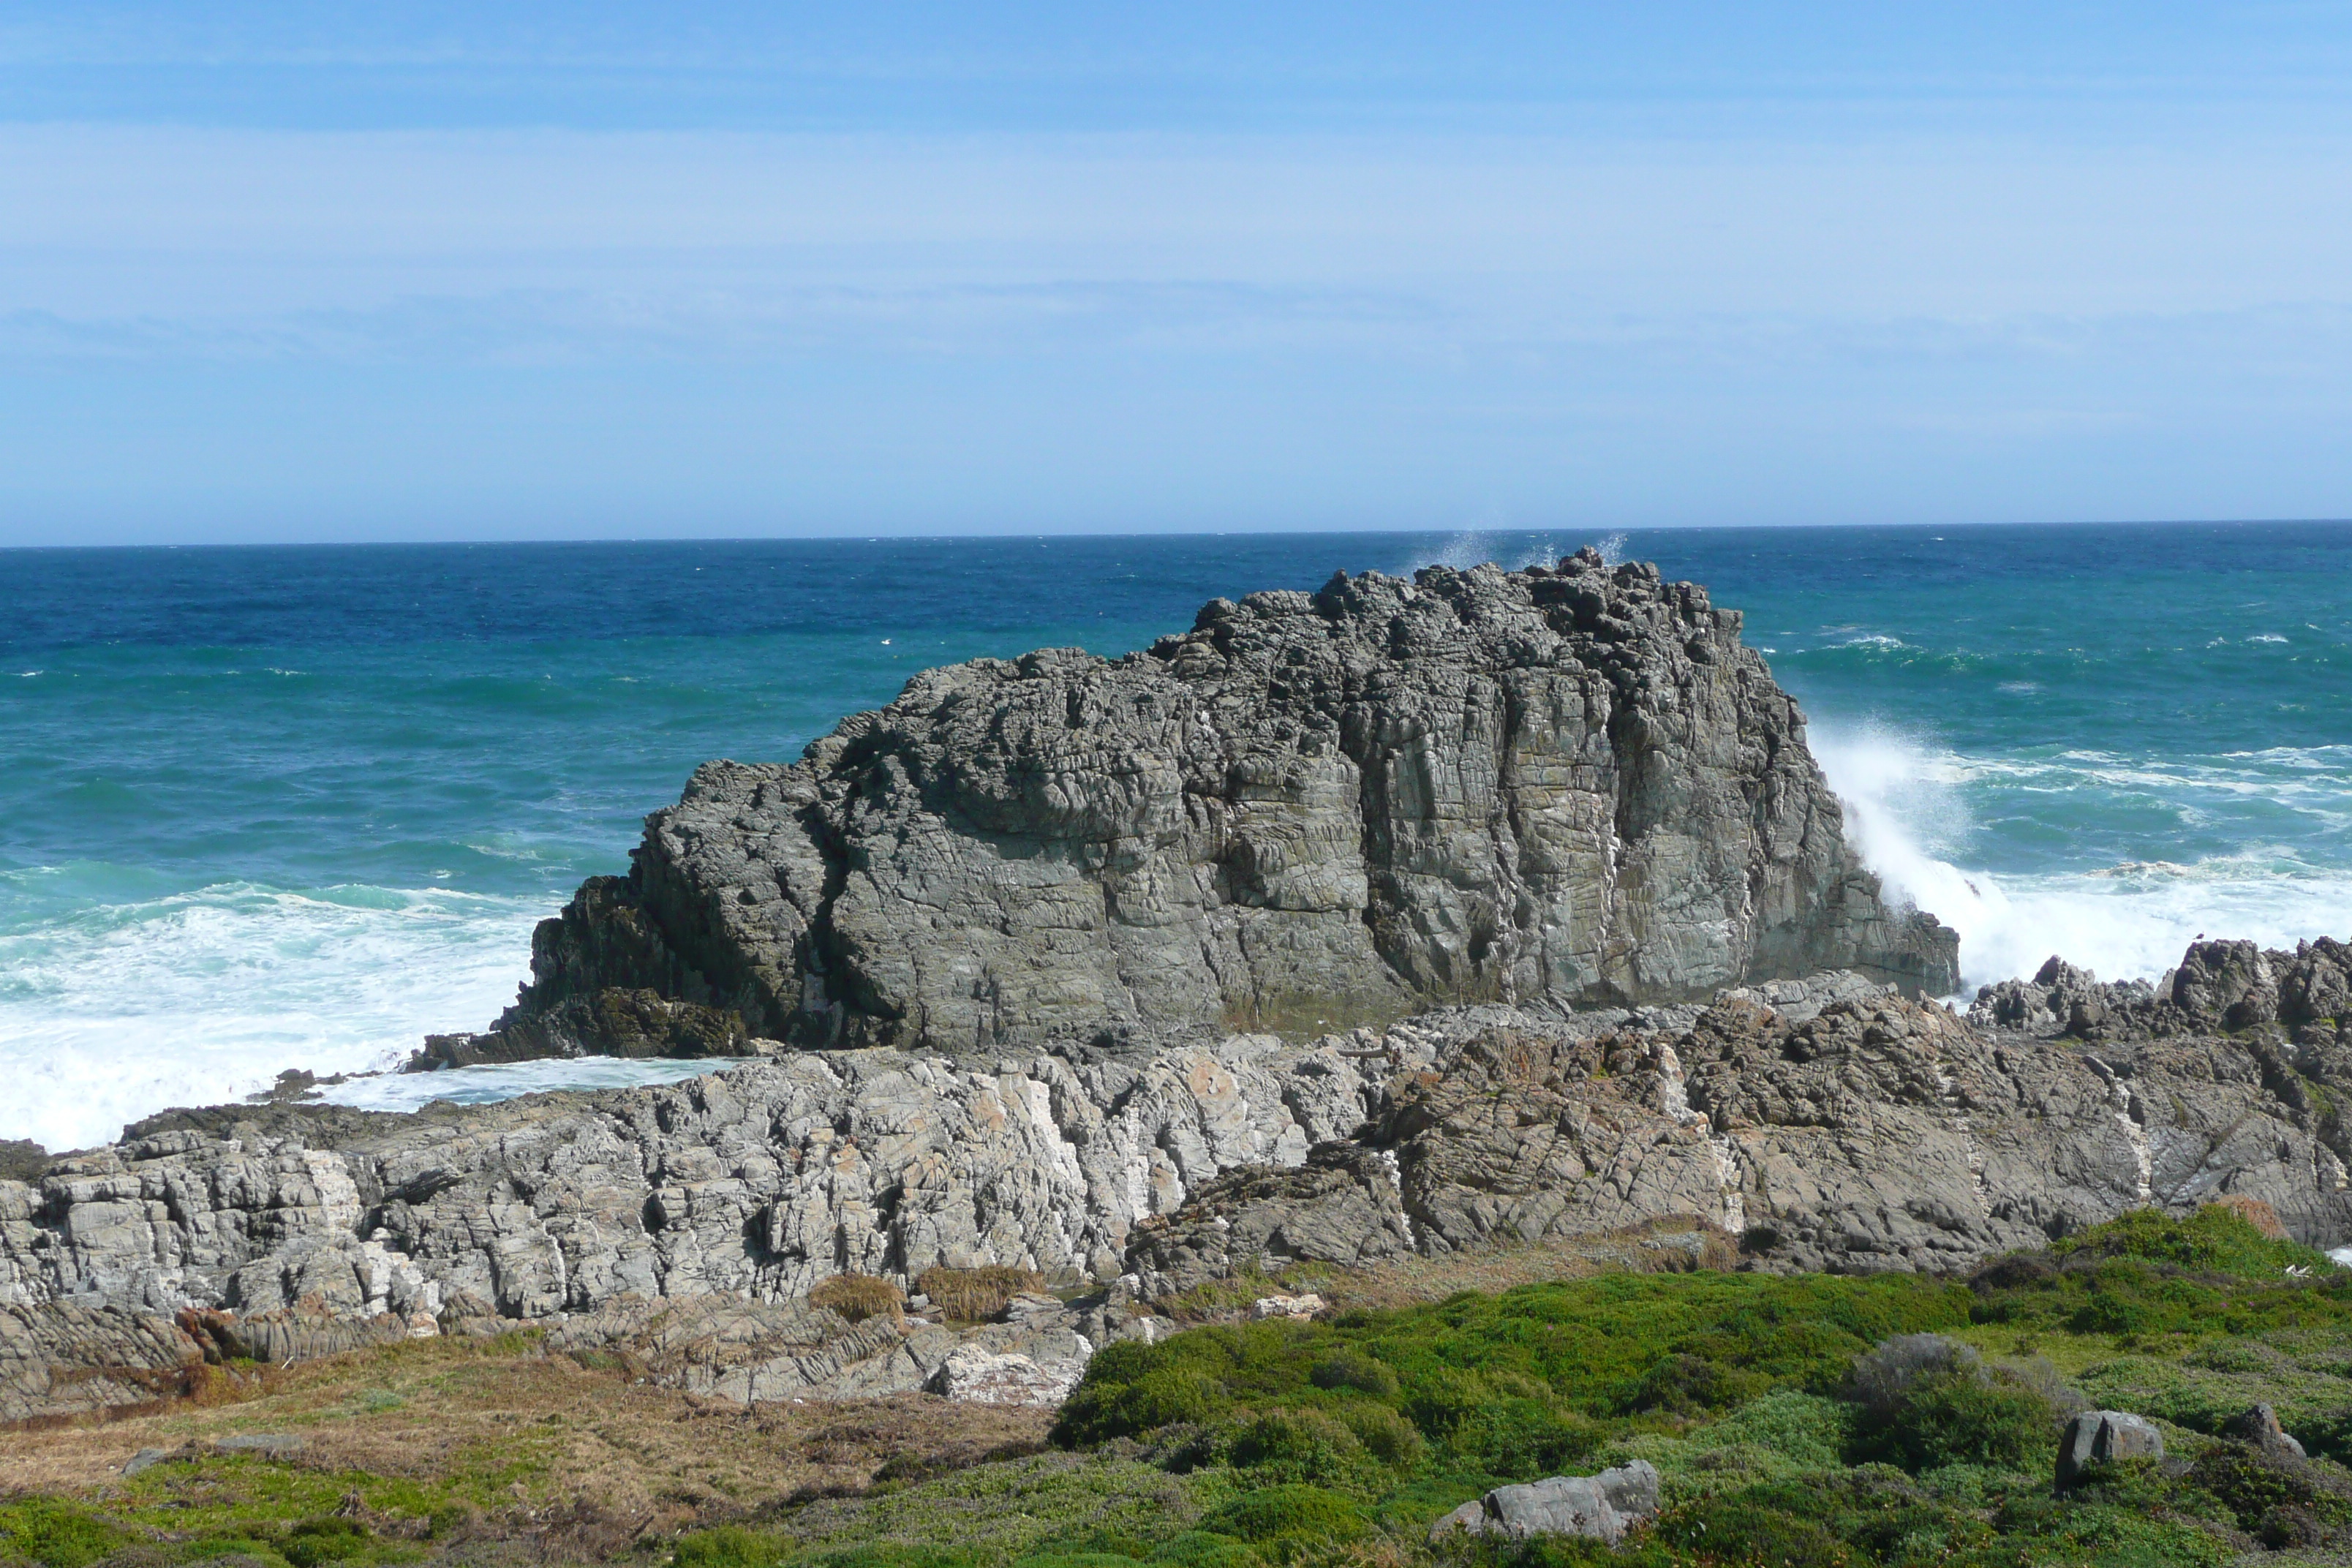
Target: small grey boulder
[1603, 1507]
[2260, 1426]
[2104, 1436]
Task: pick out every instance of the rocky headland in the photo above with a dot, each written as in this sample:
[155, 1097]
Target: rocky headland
[1402, 920]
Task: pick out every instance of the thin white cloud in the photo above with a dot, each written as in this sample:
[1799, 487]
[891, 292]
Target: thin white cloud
[316, 333]
[105, 222]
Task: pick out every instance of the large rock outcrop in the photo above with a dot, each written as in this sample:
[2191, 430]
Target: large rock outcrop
[1575, 785]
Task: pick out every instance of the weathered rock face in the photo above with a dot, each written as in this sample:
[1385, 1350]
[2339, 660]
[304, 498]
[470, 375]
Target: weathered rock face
[60, 1358]
[2302, 998]
[1574, 784]
[758, 1182]
[1871, 1133]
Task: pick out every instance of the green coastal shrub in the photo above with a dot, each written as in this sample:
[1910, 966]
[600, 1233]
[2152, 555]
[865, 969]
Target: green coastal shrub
[1300, 1446]
[1385, 1435]
[2216, 1239]
[55, 1534]
[1687, 1384]
[1802, 1428]
[1159, 1396]
[326, 1539]
[1353, 1369]
[1289, 1516]
[1964, 1418]
[1884, 1376]
[1206, 1549]
[1735, 1532]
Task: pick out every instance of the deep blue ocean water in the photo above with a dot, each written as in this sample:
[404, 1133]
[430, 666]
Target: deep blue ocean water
[272, 808]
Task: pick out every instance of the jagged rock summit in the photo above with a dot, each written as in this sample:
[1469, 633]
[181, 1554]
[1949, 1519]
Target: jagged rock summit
[1571, 786]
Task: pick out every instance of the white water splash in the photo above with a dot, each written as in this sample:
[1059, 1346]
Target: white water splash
[115, 1012]
[1906, 813]
[511, 1080]
[1513, 552]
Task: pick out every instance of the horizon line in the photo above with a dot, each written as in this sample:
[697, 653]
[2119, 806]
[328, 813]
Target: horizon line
[1009, 536]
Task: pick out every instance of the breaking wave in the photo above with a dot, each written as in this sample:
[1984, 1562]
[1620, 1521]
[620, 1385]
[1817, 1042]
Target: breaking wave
[1927, 821]
[113, 1011]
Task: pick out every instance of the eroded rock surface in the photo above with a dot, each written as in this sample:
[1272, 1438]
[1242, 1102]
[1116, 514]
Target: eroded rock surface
[1830, 1123]
[1873, 1133]
[2302, 998]
[1574, 784]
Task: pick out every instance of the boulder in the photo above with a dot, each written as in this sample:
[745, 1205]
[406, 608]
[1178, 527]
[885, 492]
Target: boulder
[2259, 1428]
[978, 1376]
[2103, 1436]
[1602, 1507]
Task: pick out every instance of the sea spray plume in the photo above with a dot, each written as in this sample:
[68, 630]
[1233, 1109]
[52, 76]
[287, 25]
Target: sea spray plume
[1901, 805]
[1479, 547]
[1574, 784]
[1908, 812]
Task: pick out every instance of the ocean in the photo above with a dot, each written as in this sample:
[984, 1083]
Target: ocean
[275, 807]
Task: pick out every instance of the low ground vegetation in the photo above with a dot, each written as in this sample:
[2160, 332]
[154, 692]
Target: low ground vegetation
[1814, 1421]
[976, 1295]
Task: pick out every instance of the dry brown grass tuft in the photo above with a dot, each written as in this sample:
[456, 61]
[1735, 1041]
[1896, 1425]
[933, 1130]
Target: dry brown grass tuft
[976, 1295]
[858, 1296]
[2255, 1212]
[595, 1459]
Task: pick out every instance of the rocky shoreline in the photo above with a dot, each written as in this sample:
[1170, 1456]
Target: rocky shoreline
[1822, 1125]
[1400, 919]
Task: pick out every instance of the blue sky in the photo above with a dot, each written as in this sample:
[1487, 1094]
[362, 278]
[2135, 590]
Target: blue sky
[403, 271]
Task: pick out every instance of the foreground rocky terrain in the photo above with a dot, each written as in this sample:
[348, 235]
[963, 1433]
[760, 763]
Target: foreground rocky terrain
[1826, 1124]
[1571, 786]
[2184, 1382]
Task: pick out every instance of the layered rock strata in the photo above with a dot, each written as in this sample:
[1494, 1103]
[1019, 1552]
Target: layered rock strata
[1573, 786]
[2302, 998]
[1827, 1124]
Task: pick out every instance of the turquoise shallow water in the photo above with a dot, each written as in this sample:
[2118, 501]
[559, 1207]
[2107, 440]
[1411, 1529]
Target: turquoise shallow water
[274, 807]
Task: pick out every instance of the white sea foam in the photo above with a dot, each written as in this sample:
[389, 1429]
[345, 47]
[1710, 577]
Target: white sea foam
[1907, 810]
[111, 1012]
[511, 1080]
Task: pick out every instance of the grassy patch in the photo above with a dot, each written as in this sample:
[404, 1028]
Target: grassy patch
[1832, 1421]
